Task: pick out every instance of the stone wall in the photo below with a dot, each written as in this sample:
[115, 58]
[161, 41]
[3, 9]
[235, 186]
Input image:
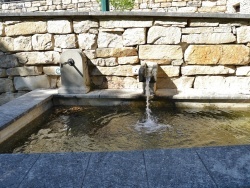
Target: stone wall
[200, 53]
[201, 6]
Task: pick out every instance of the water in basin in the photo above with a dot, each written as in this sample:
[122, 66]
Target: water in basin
[74, 129]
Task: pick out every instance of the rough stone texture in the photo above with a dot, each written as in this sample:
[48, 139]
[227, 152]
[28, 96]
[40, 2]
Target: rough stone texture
[134, 36]
[217, 54]
[84, 26]
[35, 58]
[175, 83]
[164, 35]
[8, 61]
[203, 70]
[222, 84]
[193, 30]
[124, 70]
[209, 38]
[3, 73]
[22, 44]
[245, 7]
[1, 29]
[6, 85]
[243, 71]
[109, 40]
[158, 61]
[172, 22]
[26, 28]
[87, 41]
[42, 42]
[90, 54]
[116, 52]
[128, 60]
[125, 23]
[65, 41]
[160, 52]
[168, 71]
[6, 44]
[25, 71]
[52, 70]
[32, 82]
[59, 26]
[200, 23]
[243, 34]
[109, 62]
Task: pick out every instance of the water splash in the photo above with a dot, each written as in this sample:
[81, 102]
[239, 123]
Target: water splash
[150, 124]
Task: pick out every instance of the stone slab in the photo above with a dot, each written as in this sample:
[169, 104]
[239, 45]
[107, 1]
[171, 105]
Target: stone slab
[116, 169]
[176, 168]
[229, 166]
[57, 170]
[14, 168]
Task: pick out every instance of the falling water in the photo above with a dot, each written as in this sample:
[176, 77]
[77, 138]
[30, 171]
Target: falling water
[149, 124]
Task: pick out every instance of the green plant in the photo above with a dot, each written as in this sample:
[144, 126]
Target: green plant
[121, 4]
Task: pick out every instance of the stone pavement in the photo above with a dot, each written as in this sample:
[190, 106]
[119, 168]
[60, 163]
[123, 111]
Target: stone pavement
[193, 167]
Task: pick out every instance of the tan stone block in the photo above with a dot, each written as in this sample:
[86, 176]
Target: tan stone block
[109, 40]
[52, 70]
[201, 23]
[158, 61]
[25, 71]
[22, 44]
[65, 41]
[116, 52]
[134, 36]
[42, 42]
[26, 28]
[160, 52]
[122, 23]
[206, 70]
[168, 71]
[217, 54]
[181, 22]
[128, 60]
[83, 26]
[59, 26]
[105, 62]
[122, 70]
[243, 34]
[6, 44]
[87, 41]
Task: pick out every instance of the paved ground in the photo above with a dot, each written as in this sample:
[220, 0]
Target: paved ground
[197, 167]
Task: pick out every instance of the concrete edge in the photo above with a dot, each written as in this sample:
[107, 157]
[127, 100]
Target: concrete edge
[127, 14]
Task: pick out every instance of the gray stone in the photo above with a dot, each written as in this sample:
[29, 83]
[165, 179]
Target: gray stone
[164, 35]
[6, 85]
[59, 26]
[87, 41]
[31, 82]
[109, 40]
[25, 71]
[134, 36]
[8, 61]
[2, 73]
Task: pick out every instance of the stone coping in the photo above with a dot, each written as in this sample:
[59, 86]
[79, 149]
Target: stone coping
[126, 14]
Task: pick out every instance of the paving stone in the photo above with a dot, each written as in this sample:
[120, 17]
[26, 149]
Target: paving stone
[14, 167]
[116, 169]
[57, 170]
[176, 168]
[229, 166]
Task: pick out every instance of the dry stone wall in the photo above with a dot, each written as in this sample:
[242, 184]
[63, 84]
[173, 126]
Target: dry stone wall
[201, 6]
[199, 53]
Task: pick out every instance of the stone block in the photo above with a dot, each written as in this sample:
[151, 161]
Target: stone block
[243, 34]
[3, 73]
[6, 44]
[6, 85]
[200, 23]
[168, 71]
[122, 23]
[158, 61]
[87, 41]
[134, 36]
[175, 83]
[128, 60]
[109, 40]
[65, 41]
[209, 38]
[217, 54]
[1, 29]
[192, 30]
[42, 42]
[52, 70]
[164, 35]
[25, 71]
[206, 70]
[90, 54]
[116, 52]
[83, 26]
[36, 58]
[59, 26]
[243, 71]
[160, 52]
[8, 61]
[26, 28]
[122, 70]
[32, 82]
[180, 22]
[105, 62]
[22, 44]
